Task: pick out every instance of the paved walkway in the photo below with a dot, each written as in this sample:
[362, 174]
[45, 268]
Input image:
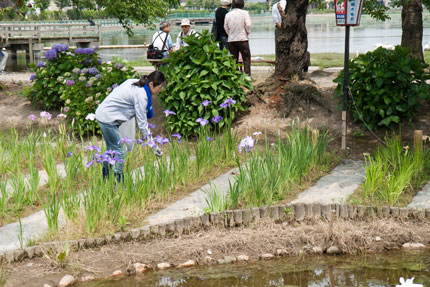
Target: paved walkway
[335, 187]
[422, 199]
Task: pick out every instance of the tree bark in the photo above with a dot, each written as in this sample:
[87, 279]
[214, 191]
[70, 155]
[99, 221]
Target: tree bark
[412, 27]
[293, 40]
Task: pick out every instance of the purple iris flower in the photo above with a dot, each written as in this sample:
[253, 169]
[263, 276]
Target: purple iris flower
[88, 164]
[178, 136]
[93, 148]
[168, 112]
[70, 82]
[32, 117]
[227, 103]
[126, 140]
[45, 115]
[160, 140]
[70, 154]
[41, 64]
[209, 139]
[51, 54]
[217, 119]
[247, 143]
[114, 86]
[111, 153]
[205, 103]
[202, 121]
[32, 77]
[151, 126]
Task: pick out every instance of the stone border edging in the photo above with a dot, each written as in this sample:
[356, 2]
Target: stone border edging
[227, 219]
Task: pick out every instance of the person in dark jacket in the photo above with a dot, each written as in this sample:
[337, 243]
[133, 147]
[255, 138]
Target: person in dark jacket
[221, 35]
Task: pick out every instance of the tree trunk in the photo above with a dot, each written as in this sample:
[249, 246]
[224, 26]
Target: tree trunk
[293, 40]
[412, 27]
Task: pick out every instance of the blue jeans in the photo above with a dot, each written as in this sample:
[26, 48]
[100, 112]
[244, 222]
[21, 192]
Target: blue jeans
[112, 137]
[223, 43]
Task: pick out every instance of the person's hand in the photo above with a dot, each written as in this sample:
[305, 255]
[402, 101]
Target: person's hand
[158, 152]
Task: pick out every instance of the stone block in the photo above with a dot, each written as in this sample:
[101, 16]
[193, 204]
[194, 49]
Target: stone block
[352, 211]
[205, 220]
[81, 243]
[299, 211]
[170, 227]
[187, 224]
[101, 241]
[371, 211]
[274, 212]
[316, 210]
[308, 211]
[404, 213]
[255, 213]
[162, 229]
[247, 216]
[215, 218]
[117, 237]
[90, 242]
[30, 251]
[386, 211]
[238, 218]
[428, 213]
[395, 212]
[145, 232]
[325, 211]
[19, 255]
[361, 211]
[343, 211]
[179, 226]
[264, 213]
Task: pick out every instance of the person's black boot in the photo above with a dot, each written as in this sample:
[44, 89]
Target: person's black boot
[119, 177]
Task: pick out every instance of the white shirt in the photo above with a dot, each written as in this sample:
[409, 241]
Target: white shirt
[122, 104]
[275, 11]
[237, 25]
[158, 40]
[180, 42]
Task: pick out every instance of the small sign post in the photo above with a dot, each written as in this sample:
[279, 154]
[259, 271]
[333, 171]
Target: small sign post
[348, 13]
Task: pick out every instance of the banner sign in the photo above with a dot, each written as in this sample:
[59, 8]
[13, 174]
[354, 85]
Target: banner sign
[348, 12]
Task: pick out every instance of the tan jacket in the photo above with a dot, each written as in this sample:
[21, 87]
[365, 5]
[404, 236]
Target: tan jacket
[237, 25]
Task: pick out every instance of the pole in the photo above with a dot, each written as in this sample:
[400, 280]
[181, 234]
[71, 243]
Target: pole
[345, 88]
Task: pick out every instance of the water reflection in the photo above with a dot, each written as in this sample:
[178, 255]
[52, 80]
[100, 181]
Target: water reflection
[371, 270]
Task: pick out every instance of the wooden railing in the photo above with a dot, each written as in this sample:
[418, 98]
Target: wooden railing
[40, 32]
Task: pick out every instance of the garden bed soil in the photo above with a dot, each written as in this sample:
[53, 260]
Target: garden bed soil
[297, 239]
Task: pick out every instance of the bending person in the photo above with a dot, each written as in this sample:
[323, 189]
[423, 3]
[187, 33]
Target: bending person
[133, 98]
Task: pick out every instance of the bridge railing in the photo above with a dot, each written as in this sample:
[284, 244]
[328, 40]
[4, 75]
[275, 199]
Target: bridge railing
[49, 31]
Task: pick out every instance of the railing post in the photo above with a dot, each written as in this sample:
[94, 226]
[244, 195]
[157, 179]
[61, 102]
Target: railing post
[30, 49]
[69, 28]
[38, 33]
[99, 33]
[6, 30]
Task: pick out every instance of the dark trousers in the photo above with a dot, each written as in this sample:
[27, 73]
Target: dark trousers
[243, 48]
[277, 33]
[223, 43]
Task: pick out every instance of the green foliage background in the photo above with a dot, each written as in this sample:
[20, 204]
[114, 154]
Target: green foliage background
[199, 72]
[385, 86]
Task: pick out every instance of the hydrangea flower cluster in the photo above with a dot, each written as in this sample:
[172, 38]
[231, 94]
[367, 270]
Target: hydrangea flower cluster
[93, 71]
[51, 54]
[60, 48]
[84, 51]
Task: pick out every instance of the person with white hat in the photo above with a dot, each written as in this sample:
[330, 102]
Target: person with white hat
[186, 32]
[220, 13]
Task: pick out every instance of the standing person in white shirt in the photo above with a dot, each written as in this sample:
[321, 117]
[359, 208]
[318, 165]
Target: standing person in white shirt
[186, 32]
[237, 25]
[277, 19]
[162, 40]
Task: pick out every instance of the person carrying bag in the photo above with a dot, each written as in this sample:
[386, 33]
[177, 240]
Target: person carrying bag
[159, 48]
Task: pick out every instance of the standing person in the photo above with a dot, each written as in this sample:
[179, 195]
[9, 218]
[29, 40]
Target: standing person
[238, 27]
[220, 13]
[277, 19]
[186, 32]
[133, 98]
[162, 40]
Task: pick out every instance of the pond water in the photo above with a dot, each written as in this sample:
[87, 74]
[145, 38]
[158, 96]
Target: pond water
[366, 270]
[323, 36]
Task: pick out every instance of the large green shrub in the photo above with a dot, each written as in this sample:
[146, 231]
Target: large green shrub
[75, 80]
[197, 73]
[385, 86]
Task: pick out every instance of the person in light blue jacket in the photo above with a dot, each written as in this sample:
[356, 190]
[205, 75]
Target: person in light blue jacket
[133, 98]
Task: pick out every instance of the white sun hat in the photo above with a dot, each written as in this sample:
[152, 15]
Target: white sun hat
[185, 22]
[225, 2]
